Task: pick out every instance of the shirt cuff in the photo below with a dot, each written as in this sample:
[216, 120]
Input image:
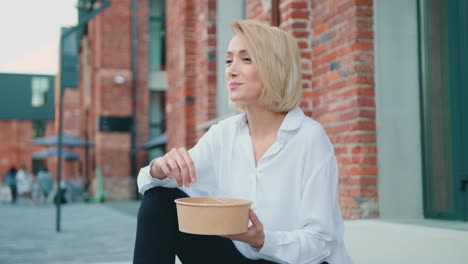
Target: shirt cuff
[270, 244]
[146, 181]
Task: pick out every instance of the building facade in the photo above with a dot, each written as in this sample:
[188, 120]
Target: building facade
[384, 80]
[26, 112]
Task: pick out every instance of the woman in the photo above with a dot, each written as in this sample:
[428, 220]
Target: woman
[271, 154]
[23, 180]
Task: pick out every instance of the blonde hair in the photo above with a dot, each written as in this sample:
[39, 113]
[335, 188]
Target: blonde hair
[277, 58]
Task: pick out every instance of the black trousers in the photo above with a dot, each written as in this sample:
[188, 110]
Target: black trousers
[158, 238]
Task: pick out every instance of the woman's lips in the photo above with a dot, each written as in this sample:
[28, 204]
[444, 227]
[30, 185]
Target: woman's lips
[234, 85]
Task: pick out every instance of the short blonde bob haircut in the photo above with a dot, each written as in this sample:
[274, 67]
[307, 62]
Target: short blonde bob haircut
[276, 55]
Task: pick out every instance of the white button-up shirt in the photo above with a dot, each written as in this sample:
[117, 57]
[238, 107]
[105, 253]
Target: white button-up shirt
[294, 187]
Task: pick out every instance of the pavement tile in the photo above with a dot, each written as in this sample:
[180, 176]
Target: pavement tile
[90, 233]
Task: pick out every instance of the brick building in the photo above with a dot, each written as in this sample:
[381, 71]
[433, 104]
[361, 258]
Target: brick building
[26, 113]
[375, 74]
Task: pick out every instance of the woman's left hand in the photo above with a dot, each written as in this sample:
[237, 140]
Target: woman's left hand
[254, 236]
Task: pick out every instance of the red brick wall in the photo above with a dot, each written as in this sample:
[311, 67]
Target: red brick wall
[71, 126]
[110, 53]
[296, 18]
[211, 56]
[191, 62]
[191, 71]
[142, 92]
[258, 9]
[16, 147]
[50, 162]
[110, 56]
[343, 97]
[87, 122]
[71, 112]
[175, 65]
[205, 90]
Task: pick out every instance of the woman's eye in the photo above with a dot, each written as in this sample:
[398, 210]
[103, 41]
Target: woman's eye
[228, 61]
[247, 59]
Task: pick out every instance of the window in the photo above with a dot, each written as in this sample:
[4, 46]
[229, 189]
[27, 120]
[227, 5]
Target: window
[443, 24]
[157, 59]
[40, 87]
[39, 128]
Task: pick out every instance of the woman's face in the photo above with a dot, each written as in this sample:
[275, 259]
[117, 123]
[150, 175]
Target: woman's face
[243, 82]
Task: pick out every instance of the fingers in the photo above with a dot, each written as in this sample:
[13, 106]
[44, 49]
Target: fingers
[178, 164]
[190, 165]
[255, 221]
[168, 167]
[254, 236]
[182, 166]
[259, 238]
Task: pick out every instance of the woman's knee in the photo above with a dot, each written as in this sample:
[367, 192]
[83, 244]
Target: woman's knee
[159, 199]
[154, 199]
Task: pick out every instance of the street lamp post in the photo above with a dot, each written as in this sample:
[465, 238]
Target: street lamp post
[103, 4]
[59, 157]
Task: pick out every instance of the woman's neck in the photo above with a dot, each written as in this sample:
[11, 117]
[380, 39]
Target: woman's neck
[263, 122]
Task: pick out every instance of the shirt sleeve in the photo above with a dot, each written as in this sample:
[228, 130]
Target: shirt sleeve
[145, 181]
[321, 219]
[202, 155]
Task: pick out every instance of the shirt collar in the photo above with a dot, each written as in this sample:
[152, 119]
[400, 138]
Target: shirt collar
[292, 121]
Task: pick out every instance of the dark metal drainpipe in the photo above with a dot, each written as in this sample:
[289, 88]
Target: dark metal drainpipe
[133, 167]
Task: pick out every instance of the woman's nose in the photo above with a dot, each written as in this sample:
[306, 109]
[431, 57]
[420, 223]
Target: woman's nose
[232, 69]
[233, 73]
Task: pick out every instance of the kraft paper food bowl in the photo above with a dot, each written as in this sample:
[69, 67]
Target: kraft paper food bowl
[208, 216]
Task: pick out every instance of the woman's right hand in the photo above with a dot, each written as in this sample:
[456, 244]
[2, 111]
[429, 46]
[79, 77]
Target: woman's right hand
[176, 164]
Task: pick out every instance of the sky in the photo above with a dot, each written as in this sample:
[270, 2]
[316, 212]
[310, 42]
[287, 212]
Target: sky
[30, 34]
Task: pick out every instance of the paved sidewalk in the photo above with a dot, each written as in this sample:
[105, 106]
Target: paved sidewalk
[91, 233]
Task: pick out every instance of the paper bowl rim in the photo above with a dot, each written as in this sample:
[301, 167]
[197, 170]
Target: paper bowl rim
[239, 202]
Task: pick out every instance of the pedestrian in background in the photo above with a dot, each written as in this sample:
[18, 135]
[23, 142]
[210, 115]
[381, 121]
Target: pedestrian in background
[23, 182]
[35, 192]
[45, 183]
[10, 180]
[271, 154]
